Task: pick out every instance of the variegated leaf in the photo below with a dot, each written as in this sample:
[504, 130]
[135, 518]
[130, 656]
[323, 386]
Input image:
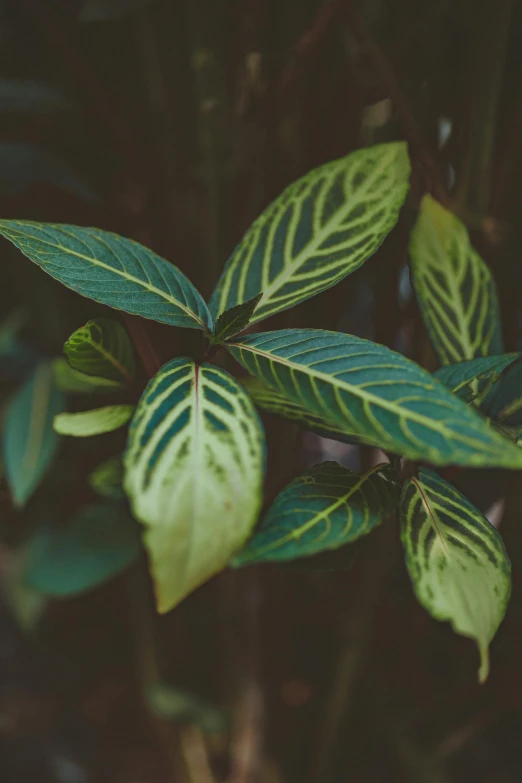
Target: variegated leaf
[505, 402]
[327, 507]
[276, 403]
[456, 560]
[102, 348]
[112, 270]
[384, 398]
[95, 422]
[193, 472]
[318, 231]
[456, 292]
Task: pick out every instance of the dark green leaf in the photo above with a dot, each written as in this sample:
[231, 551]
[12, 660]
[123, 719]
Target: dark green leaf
[193, 472]
[505, 403]
[460, 377]
[456, 560]
[319, 230]
[276, 403]
[102, 348]
[234, 320]
[30, 443]
[112, 270]
[385, 399]
[327, 507]
[100, 542]
[456, 292]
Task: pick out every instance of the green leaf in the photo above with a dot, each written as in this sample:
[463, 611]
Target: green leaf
[193, 472]
[319, 230]
[327, 507]
[460, 377]
[112, 270]
[233, 321]
[456, 292]
[102, 348]
[98, 543]
[186, 708]
[456, 560]
[95, 422]
[74, 382]
[29, 442]
[107, 478]
[505, 404]
[276, 403]
[384, 398]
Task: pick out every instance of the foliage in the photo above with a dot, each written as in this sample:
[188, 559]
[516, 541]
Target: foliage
[193, 467]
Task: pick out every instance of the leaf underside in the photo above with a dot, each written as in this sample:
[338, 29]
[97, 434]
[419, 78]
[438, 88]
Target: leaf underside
[456, 560]
[194, 468]
[94, 422]
[384, 398]
[320, 229]
[456, 292]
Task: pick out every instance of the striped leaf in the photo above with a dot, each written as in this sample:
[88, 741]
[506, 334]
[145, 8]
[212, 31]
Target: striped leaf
[456, 292]
[385, 399]
[75, 382]
[456, 560]
[193, 472]
[106, 479]
[96, 545]
[112, 270]
[505, 403]
[102, 348]
[29, 442]
[326, 508]
[462, 377]
[318, 231]
[276, 403]
[95, 422]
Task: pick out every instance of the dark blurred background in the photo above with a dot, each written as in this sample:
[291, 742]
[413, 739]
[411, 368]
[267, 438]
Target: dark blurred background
[175, 122]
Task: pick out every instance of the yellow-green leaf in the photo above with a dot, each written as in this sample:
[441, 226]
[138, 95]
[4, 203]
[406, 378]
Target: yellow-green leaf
[456, 560]
[455, 289]
[194, 468]
[319, 230]
[102, 348]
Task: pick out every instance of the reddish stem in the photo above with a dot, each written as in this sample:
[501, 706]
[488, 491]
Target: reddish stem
[140, 338]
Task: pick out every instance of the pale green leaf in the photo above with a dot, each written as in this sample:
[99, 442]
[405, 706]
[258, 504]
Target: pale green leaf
[96, 545]
[75, 382]
[278, 404]
[102, 348]
[233, 321]
[193, 472]
[455, 289]
[29, 442]
[107, 478]
[456, 560]
[112, 270]
[319, 230]
[94, 422]
[327, 507]
[384, 398]
[462, 378]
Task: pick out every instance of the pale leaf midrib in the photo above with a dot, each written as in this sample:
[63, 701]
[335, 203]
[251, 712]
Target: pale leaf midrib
[379, 401]
[288, 270]
[96, 262]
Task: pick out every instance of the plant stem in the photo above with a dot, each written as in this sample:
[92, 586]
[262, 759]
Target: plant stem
[140, 338]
